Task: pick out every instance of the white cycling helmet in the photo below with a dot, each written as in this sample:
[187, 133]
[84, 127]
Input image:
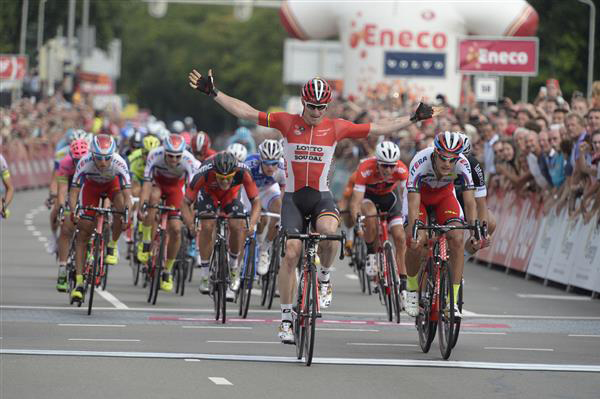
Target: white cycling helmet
[387, 152]
[177, 127]
[163, 134]
[466, 144]
[270, 149]
[238, 150]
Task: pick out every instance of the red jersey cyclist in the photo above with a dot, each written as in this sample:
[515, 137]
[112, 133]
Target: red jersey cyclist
[101, 171]
[217, 185]
[430, 184]
[167, 169]
[309, 143]
[201, 146]
[377, 181]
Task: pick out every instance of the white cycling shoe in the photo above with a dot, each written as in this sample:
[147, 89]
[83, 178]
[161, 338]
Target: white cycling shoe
[325, 294]
[263, 263]
[371, 265]
[285, 332]
[411, 304]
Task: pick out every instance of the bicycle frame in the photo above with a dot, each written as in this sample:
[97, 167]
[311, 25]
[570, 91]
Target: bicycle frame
[158, 250]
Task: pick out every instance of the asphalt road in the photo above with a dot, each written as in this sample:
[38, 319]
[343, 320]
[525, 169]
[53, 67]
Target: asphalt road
[519, 339]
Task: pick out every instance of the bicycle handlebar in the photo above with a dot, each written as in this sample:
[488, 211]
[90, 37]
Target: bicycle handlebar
[444, 228]
[315, 237]
[218, 215]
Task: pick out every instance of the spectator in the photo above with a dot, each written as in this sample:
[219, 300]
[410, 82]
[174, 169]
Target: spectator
[489, 138]
[579, 105]
[576, 133]
[555, 160]
[558, 116]
[535, 153]
[593, 119]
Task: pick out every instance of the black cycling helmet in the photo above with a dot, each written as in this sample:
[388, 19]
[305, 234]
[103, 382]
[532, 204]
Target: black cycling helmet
[225, 163]
[136, 140]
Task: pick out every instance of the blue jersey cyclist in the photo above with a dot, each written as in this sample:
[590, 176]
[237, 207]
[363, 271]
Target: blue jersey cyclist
[268, 171]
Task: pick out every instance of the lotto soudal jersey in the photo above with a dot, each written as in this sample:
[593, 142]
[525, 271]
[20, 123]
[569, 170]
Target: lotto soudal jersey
[88, 171]
[263, 181]
[308, 150]
[370, 180]
[422, 173]
[157, 165]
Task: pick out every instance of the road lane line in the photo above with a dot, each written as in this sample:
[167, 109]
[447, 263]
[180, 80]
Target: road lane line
[218, 328]
[347, 329]
[31, 228]
[352, 276]
[585, 335]
[192, 360]
[519, 349]
[104, 339]
[244, 342]
[91, 325]
[377, 344]
[42, 239]
[587, 368]
[482, 333]
[220, 381]
[562, 297]
[112, 299]
[36, 233]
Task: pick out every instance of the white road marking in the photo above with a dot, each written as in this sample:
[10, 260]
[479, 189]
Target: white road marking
[377, 344]
[588, 368]
[563, 297]
[31, 228]
[36, 233]
[218, 328]
[584, 335]
[467, 313]
[519, 349]
[104, 339]
[28, 222]
[243, 342]
[351, 276]
[91, 325]
[220, 381]
[192, 360]
[481, 333]
[347, 329]
[42, 239]
[112, 299]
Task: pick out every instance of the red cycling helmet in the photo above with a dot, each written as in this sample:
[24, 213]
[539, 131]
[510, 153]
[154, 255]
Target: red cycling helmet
[316, 91]
[449, 142]
[174, 144]
[200, 143]
[79, 148]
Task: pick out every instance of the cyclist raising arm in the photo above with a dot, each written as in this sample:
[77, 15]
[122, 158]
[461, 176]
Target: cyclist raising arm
[309, 144]
[10, 189]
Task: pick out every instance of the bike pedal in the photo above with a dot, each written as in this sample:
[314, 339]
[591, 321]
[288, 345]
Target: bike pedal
[288, 342]
[319, 314]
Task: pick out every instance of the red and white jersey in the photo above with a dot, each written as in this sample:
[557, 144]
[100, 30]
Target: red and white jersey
[156, 165]
[421, 173]
[370, 180]
[308, 150]
[88, 171]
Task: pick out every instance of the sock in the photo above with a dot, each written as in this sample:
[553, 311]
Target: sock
[204, 269]
[79, 279]
[54, 234]
[455, 288]
[233, 258]
[62, 268]
[411, 283]
[169, 264]
[112, 244]
[286, 312]
[324, 275]
[370, 247]
[146, 233]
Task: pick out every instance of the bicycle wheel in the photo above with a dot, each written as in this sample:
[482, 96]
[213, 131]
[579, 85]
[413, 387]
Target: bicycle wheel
[159, 265]
[214, 281]
[223, 281]
[248, 278]
[359, 262]
[446, 318]
[394, 284]
[176, 276]
[274, 271]
[311, 316]
[301, 312]
[459, 302]
[425, 326]
[94, 272]
[384, 288]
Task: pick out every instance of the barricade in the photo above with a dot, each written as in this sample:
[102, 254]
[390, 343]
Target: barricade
[30, 171]
[551, 247]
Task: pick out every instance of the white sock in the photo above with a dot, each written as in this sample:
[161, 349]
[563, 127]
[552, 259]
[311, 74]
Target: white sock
[286, 312]
[324, 275]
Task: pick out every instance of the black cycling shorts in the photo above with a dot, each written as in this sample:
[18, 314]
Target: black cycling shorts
[306, 202]
[207, 204]
[386, 203]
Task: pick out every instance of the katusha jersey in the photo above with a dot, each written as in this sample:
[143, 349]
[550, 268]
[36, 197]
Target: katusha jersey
[422, 174]
[156, 165]
[308, 150]
[87, 171]
[370, 180]
[263, 181]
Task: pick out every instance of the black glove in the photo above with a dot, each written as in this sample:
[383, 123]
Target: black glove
[206, 85]
[423, 112]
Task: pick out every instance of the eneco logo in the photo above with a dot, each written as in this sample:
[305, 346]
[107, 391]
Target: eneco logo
[482, 56]
[371, 35]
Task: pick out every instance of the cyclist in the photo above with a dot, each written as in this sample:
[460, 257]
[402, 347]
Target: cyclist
[377, 181]
[217, 185]
[484, 215]
[101, 171]
[239, 151]
[201, 146]
[77, 150]
[167, 169]
[310, 141]
[268, 173]
[243, 135]
[8, 186]
[432, 172]
[134, 142]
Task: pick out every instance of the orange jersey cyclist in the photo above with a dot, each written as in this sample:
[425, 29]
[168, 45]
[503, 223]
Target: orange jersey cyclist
[309, 140]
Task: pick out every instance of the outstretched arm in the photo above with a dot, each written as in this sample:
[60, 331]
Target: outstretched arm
[422, 112]
[236, 107]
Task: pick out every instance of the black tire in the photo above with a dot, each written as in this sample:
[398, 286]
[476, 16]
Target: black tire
[459, 302]
[223, 282]
[176, 276]
[446, 318]
[300, 321]
[95, 268]
[311, 319]
[384, 290]
[425, 326]
[359, 263]
[273, 273]
[104, 275]
[157, 277]
[247, 279]
[393, 280]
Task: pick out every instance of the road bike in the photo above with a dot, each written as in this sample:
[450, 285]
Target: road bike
[269, 279]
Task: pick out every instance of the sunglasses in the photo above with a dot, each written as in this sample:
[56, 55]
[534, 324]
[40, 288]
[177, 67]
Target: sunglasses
[102, 157]
[225, 177]
[271, 162]
[318, 107]
[387, 165]
[174, 156]
[447, 159]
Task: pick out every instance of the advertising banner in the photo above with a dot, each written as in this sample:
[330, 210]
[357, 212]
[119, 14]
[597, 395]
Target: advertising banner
[562, 260]
[524, 238]
[95, 83]
[498, 56]
[586, 262]
[13, 67]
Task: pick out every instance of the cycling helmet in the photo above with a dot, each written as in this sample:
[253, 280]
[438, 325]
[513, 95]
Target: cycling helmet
[174, 144]
[270, 149]
[238, 150]
[69, 135]
[316, 91]
[79, 148]
[162, 134]
[466, 144]
[177, 127]
[187, 138]
[136, 140]
[387, 152]
[103, 145]
[200, 143]
[150, 142]
[449, 142]
[89, 137]
[78, 134]
[225, 163]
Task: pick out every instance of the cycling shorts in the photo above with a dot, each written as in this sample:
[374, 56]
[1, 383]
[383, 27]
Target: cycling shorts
[443, 202]
[172, 190]
[91, 192]
[206, 203]
[306, 202]
[387, 203]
